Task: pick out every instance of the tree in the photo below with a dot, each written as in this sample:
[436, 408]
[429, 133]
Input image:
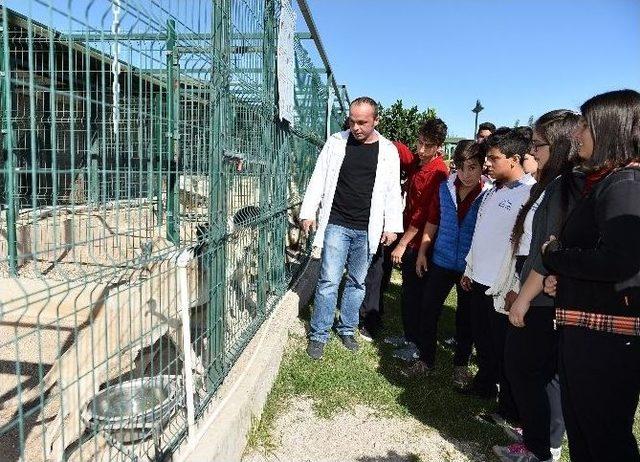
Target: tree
[530, 123]
[398, 123]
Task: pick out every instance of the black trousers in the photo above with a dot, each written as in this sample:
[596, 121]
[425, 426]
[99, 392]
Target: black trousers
[489, 330]
[531, 354]
[412, 290]
[600, 384]
[481, 307]
[436, 290]
[372, 304]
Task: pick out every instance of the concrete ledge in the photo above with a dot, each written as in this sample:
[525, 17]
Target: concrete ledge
[222, 432]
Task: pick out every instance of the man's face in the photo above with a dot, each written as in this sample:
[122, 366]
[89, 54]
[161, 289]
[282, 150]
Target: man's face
[482, 135]
[362, 121]
[469, 172]
[426, 149]
[499, 166]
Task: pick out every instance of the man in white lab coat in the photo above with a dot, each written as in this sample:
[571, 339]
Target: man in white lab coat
[354, 201]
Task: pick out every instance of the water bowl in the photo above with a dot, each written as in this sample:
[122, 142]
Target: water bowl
[133, 410]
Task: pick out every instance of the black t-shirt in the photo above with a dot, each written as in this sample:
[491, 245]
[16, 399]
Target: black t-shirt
[352, 200]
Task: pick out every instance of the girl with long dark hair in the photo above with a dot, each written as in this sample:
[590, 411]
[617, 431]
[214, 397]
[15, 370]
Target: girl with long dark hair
[531, 344]
[597, 262]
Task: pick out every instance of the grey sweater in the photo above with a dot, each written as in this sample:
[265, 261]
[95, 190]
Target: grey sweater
[547, 221]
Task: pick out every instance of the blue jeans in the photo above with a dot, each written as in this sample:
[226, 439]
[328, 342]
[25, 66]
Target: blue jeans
[341, 246]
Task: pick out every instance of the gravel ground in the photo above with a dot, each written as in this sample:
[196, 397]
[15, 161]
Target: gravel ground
[360, 435]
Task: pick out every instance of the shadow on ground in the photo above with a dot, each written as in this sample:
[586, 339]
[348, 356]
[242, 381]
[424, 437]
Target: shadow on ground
[431, 400]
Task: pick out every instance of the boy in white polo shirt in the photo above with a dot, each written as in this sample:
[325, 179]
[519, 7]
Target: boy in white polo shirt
[505, 150]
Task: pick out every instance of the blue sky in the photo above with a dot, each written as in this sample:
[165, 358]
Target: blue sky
[520, 58]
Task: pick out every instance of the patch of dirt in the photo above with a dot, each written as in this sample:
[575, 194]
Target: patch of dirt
[358, 435]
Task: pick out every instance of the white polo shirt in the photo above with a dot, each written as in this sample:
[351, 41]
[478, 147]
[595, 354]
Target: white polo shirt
[492, 235]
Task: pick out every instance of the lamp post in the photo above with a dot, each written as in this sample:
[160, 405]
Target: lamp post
[476, 110]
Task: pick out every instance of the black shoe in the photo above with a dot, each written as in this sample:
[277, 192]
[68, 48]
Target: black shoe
[315, 349]
[418, 369]
[491, 418]
[366, 334]
[477, 392]
[349, 342]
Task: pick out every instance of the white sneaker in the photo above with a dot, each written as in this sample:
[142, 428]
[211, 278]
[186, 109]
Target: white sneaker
[398, 341]
[556, 453]
[409, 353]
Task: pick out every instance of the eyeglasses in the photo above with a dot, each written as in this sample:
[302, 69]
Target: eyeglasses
[537, 146]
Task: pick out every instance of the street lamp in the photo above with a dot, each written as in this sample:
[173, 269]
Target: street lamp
[476, 110]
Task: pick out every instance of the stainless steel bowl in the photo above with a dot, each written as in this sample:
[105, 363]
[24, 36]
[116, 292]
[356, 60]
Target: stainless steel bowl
[135, 409]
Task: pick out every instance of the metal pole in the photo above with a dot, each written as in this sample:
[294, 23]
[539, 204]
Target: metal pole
[306, 13]
[475, 128]
[172, 109]
[7, 136]
[264, 281]
[216, 255]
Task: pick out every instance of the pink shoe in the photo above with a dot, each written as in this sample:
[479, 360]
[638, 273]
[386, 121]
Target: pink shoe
[516, 452]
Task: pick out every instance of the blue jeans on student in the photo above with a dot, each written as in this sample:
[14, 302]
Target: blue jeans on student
[341, 246]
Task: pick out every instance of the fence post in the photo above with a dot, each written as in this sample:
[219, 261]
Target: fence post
[158, 165]
[173, 89]
[7, 146]
[219, 106]
[265, 252]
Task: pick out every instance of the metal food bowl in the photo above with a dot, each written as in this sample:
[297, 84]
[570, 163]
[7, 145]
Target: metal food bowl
[133, 410]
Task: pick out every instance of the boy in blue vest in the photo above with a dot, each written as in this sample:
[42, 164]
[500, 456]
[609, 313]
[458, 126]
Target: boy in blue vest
[452, 216]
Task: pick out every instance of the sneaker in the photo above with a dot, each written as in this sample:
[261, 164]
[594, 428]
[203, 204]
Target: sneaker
[349, 342]
[474, 392]
[418, 369]
[461, 376]
[365, 334]
[450, 342]
[491, 418]
[556, 453]
[513, 432]
[409, 353]
[315, 349]
[516, 452]
[397, 341]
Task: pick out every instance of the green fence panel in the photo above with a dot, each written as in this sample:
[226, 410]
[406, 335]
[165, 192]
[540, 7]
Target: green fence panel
[149, 199]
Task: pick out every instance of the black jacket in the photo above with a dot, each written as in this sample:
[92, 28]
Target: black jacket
[597, 258]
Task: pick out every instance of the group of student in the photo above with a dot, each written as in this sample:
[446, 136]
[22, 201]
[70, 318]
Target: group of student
[537, 228]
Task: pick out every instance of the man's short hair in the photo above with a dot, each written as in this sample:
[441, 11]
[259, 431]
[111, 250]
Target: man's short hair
[366, 100]
[509, 141]
[487, 126]
[468, 150]
[433, 131]
[527, 133]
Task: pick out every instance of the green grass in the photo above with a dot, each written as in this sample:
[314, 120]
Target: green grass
[371, 377]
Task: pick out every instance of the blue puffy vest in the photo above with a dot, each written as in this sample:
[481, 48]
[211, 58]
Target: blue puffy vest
[454, 239]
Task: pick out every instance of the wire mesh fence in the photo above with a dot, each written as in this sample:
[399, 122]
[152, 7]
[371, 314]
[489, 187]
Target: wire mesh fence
[149, 198]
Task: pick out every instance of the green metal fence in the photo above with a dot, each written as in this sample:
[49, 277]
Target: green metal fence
[149, 196]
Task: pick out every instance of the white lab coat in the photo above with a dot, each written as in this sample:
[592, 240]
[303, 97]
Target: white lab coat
[386, 198]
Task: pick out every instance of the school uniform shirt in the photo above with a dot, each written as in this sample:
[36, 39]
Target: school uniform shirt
[492, 235]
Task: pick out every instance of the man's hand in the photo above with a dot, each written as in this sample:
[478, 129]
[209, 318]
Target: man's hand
[518, 309]
[465, 282]
[509, 299]
[308, 226]
[398, 252]
[421, 265]
[388, 238]
[550, 285]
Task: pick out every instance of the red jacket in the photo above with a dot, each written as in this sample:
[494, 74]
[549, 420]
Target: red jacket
[423, 185]
[407, 159]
